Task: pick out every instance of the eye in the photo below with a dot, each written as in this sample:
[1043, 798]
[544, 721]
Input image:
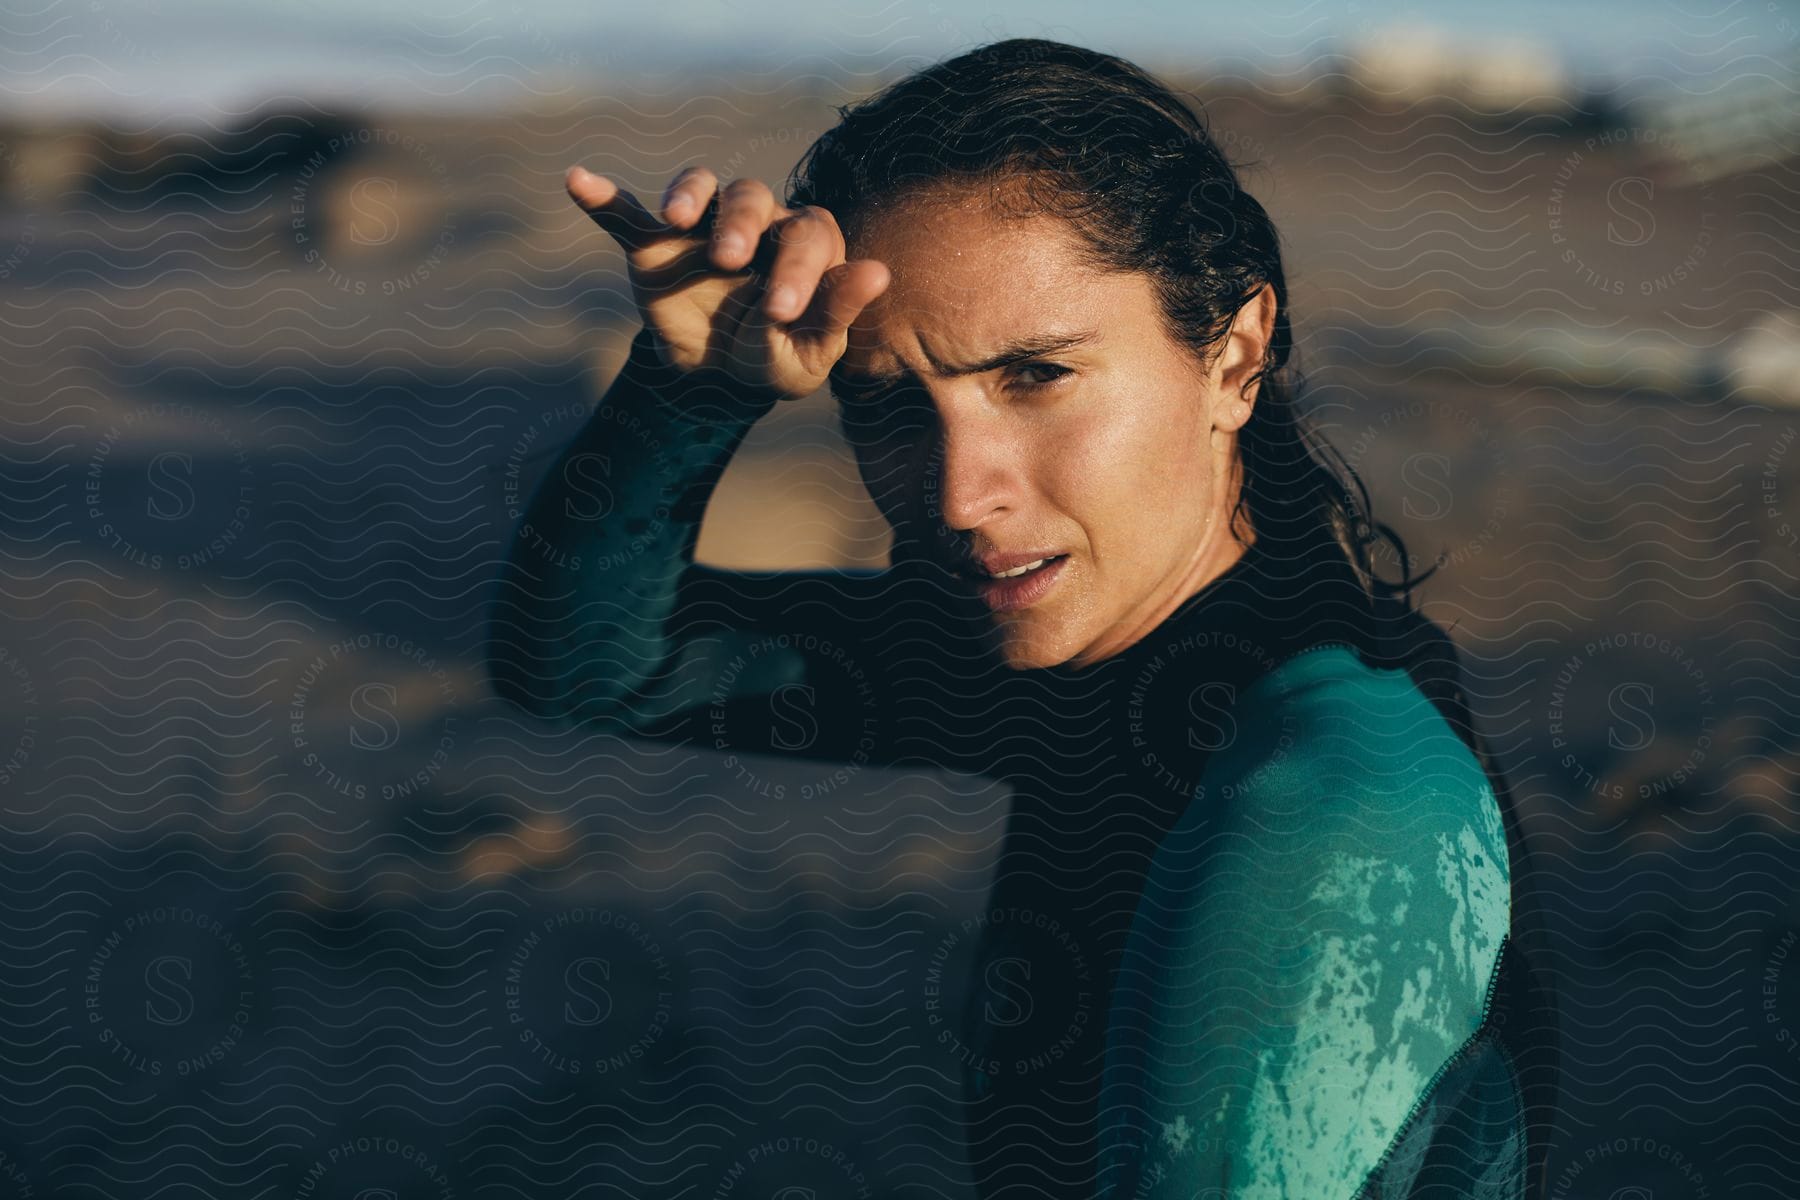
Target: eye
[1052, 371]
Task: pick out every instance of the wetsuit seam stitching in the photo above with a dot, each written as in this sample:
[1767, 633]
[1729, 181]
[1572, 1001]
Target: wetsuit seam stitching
[1482, 1028]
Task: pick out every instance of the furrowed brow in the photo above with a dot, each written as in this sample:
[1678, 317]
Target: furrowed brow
[1016, 351]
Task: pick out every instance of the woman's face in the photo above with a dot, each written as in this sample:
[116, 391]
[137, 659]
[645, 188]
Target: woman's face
[1008, 403]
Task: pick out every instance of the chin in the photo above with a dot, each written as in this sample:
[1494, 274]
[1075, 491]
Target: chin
[1024, 646]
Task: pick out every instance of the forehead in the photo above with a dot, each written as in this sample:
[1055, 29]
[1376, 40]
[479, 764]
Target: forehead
[968, 275]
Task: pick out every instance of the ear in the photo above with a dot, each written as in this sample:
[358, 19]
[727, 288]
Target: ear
[1246, 342]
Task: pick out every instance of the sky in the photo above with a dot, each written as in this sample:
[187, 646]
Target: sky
[186, 54]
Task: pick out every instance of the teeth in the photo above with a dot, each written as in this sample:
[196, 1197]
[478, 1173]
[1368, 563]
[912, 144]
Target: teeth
[1030, 566]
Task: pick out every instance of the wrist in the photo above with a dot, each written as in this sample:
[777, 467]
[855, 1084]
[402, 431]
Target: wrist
[704, 395]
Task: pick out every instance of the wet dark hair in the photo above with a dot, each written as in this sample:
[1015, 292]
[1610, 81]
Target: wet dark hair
[1091, 138]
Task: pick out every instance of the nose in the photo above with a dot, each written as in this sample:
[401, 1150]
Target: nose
[975, 469]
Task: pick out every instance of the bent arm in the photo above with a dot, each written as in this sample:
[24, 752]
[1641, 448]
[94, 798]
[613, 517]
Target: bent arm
[602, 616]
[1305, 994]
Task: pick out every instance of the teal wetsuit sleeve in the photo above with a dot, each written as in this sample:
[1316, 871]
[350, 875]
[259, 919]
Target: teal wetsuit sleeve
[602, 617]
[1313, 952]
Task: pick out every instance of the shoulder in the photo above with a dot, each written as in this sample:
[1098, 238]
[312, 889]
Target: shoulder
[1317, 937]
[1356, 799]
[1330, 708]
[1337, 751]
[1342, 779]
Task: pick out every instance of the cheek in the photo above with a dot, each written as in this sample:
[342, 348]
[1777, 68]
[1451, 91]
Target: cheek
[1132, 478]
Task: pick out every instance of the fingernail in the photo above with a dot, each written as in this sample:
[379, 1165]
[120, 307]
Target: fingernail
[781, 299]
[730, 243]
[679, 205]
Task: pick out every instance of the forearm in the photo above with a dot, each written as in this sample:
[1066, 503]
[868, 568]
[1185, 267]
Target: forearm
[590, 583]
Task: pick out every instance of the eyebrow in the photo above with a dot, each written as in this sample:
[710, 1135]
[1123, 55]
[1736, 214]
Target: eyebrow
[1015, 351]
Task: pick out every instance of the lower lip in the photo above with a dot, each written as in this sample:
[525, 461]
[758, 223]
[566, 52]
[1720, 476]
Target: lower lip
[1021, 591]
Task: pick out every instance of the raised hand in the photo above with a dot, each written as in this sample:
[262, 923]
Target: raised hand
[730, 280]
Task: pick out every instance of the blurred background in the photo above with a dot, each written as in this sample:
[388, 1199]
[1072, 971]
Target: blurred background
[295, 314]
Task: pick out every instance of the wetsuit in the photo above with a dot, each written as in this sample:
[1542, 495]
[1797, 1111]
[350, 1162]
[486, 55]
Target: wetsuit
[1249, 929]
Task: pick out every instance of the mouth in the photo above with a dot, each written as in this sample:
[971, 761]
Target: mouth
[1016, 586]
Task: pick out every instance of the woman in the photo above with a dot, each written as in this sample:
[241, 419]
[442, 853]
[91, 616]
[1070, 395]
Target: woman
[1249, 930]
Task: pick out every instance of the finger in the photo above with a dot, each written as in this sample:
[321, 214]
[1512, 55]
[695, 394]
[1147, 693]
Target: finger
[613, 208]
[843, 293]
[686, 198]
[807, 244]
[746, 207]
